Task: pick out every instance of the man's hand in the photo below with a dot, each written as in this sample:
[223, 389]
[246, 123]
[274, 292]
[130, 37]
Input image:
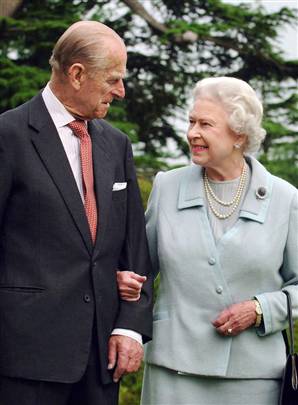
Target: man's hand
[130, 285]
[236, 318]
[126, 354]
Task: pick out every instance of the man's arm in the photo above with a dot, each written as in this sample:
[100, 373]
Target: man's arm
[125, 352]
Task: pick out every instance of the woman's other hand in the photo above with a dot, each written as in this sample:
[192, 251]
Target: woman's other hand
[130, 285]
[236, 318]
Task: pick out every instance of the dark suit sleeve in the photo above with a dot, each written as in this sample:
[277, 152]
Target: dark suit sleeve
[136, 316]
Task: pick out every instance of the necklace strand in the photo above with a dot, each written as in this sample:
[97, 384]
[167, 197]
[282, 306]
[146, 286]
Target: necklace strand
[234, 202]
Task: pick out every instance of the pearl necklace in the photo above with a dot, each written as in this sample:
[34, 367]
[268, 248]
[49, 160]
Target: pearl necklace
[234, 203]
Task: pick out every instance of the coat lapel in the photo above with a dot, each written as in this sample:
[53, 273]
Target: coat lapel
[50, 149]
[103, 178]
[191, 190]
[257, 199]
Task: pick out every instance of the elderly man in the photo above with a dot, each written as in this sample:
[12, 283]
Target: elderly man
[71, 215]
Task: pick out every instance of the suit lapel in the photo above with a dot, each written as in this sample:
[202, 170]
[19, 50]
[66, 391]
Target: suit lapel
[103, 178]
[50, 149]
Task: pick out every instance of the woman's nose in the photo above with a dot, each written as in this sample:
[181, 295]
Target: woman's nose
[194, 132]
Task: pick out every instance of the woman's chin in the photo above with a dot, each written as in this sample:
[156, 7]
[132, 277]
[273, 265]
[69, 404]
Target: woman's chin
[198, 160]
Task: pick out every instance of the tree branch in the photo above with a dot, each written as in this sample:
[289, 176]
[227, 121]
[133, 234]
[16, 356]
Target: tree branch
[137, 8]
[286, 68]
[9, 7]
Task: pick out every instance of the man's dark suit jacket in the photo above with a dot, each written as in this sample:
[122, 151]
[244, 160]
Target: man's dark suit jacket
[53, 282]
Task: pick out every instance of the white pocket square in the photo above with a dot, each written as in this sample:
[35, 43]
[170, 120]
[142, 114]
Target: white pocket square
[119, 186]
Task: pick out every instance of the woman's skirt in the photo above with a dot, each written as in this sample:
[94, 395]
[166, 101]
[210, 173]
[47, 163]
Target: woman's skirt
[162, 386]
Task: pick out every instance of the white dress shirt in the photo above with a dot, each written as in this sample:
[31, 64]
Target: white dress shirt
[71, 143]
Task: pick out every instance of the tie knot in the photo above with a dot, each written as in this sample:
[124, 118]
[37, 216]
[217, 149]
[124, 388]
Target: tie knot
[78, 127]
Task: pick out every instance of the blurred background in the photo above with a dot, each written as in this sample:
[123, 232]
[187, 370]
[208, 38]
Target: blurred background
[171, 45]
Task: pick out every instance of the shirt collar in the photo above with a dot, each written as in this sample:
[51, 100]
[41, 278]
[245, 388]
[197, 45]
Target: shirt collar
[59, 114]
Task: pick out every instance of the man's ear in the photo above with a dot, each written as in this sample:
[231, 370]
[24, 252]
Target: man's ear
[76, 74]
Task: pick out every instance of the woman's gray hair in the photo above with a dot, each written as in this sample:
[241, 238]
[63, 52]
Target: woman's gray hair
[240, 102]
[83, 42]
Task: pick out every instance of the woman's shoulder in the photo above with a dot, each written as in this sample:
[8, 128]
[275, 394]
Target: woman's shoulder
[284, 194]
[168, 183]
[175, 175]
[281, 186]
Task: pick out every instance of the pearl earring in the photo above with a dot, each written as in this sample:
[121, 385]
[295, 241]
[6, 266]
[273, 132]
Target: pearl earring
[237, 146]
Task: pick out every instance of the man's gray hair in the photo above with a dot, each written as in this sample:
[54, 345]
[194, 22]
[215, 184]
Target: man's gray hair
[83, 42]
[241, 103]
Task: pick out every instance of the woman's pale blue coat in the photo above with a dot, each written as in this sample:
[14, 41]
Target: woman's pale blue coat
[257, 257]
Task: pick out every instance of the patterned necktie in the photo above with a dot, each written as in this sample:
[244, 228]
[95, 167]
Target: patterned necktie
[80, 130]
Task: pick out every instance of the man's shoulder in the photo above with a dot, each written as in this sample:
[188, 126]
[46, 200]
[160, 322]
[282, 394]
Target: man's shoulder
[110, 129]
[18, 114]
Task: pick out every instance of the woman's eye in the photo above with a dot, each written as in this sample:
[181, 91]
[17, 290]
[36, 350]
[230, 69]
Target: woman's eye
[205, 124]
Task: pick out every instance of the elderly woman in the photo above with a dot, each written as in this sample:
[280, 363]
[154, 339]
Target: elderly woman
[223, 235]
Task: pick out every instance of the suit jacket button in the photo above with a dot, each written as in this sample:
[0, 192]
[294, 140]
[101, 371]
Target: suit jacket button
[87, 298]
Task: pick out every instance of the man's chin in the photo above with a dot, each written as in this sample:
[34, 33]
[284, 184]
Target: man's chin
[100, 113]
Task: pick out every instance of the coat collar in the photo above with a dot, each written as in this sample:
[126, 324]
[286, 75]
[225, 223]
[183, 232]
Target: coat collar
[256, 201]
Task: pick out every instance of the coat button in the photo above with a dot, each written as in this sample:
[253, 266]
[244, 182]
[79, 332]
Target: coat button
[87, 298]
[219, 289]
[211, 261]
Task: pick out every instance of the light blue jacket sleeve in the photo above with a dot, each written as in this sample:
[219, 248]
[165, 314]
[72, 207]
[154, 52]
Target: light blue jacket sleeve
[151, 223]
[274, 304]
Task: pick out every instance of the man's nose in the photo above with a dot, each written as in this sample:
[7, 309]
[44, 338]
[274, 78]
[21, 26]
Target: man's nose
[119, 91]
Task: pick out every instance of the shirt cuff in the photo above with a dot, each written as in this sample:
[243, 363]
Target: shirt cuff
[130, 333]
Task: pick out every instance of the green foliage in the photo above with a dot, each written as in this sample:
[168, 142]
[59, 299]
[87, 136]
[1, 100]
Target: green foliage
[130, 389]
[145, 188]
[282, 160]
[118, 118]
[19, 83]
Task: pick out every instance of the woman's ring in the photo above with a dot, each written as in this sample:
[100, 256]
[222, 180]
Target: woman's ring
[230, 330]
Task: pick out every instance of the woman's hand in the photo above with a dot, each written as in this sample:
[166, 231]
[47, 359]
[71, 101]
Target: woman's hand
[236, 318]
[130, 285]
